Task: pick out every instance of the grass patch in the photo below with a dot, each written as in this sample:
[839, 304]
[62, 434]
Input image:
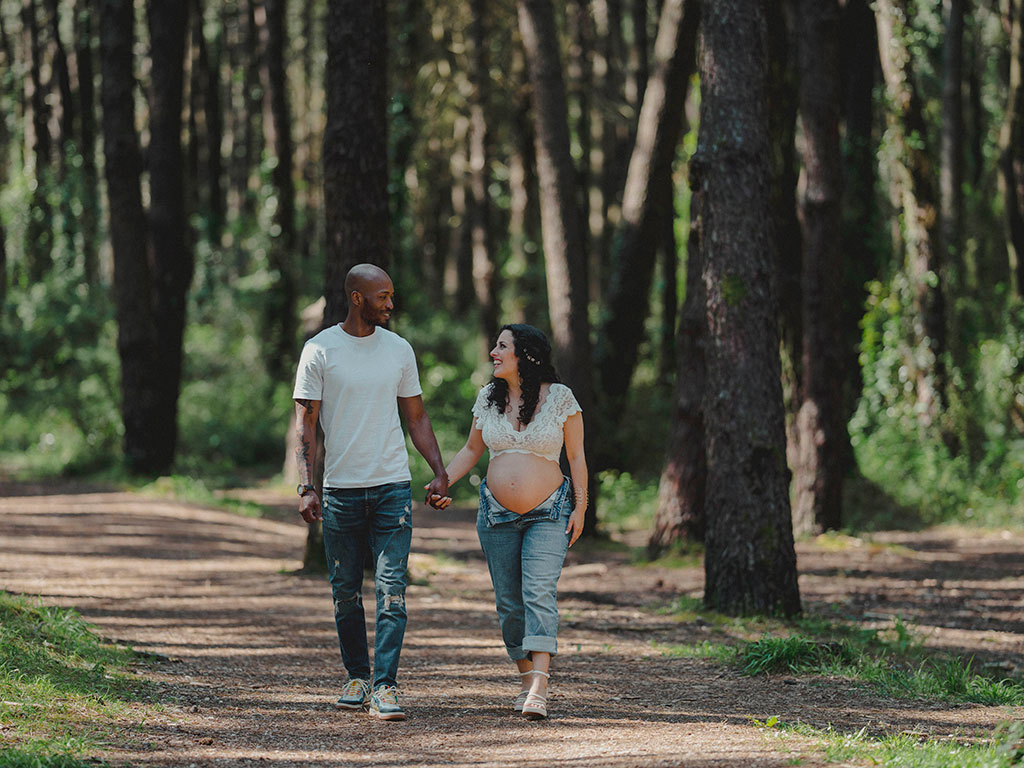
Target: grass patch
[1003, 748]
[60, 685]
[892, 661]
[194, 490]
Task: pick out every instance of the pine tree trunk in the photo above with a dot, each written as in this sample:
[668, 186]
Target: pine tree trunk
[173, 262]
[681, 513]
[89, 219]
[860, 211]
[38, 149]
[485, 273]
[565, 263]
[281, 318]
[750, 563]
[821, 432]
[1011, 157]
[137, 339]
[645, 205]
[355, 158]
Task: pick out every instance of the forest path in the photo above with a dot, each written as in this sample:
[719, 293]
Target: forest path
[252, 664]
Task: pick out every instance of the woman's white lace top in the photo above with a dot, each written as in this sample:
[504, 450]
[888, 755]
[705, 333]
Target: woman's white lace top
[541, 437]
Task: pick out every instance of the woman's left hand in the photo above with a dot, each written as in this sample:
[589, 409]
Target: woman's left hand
[575, 526]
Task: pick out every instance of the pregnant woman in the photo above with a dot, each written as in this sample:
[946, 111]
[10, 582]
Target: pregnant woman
[528, 515]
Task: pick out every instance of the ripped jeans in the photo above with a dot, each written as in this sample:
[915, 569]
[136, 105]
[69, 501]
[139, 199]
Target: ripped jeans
[524, 555]
[377, 520]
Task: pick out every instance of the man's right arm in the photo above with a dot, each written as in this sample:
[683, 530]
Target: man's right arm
[306, 414]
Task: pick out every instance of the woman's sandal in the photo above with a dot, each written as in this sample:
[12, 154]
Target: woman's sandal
[521, 698]
[535, 707]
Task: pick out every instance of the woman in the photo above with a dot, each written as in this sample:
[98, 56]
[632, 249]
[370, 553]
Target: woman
[527, 517]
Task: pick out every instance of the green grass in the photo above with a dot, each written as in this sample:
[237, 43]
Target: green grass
[61, 687]
[1002, 748]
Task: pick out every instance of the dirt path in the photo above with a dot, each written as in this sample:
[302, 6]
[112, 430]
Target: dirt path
[253, 665]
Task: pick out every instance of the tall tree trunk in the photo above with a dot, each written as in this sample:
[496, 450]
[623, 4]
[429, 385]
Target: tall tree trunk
[137, 338]
[670, 283]
[565, 261]
[172, 248]
[63, 121]
[1011, 155]
[90, 217]
[918, 204]
[783, 95]
[951, 166]
[681, 512]
[645, 206]
[750, 563]
[860, 212]
[485, 273]
[459, 266]
[580, 73]
[280, 318]
[38, 149]
[821, 432]
[355, 146]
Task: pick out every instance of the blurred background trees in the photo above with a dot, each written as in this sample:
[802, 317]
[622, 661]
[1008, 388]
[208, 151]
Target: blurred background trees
[183, 185]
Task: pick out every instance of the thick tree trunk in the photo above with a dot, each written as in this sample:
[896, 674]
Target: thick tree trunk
[951, 166]
[355, 146]
[485, 273]
[1011, 156]
[821, 432]
[173, 262]
[565, 261]
[645, 206]
[280, 318]
[918, 202]
[681, 492]
[137, 338]
[670, 283]
[750, 563]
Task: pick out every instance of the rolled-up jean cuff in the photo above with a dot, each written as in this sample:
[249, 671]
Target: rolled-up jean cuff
[541, 644]
[517, 654]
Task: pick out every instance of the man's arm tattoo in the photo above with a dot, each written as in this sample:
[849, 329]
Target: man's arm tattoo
[307, 404]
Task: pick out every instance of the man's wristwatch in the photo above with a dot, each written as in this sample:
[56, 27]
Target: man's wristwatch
[303, 489]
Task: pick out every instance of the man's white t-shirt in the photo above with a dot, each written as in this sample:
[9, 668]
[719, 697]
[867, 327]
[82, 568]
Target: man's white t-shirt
[358, 380]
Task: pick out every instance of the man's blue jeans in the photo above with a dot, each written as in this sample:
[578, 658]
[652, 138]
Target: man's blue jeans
[524, 555]
[377, 519]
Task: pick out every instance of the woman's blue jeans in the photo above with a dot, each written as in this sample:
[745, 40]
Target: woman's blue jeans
[378, 520]
[524, 555]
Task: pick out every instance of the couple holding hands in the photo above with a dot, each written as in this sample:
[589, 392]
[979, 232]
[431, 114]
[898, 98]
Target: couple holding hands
[355, 377]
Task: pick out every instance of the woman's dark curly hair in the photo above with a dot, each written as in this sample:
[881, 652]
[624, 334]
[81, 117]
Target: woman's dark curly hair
[535, 368]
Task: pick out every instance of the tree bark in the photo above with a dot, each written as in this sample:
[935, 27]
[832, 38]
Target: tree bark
[860, 211]
[645, 206]
[681, 513]
[355, 146]
[565, 262]
[280, 318]
[485, 273]
[750, 563]
[137, 338]
[173, 262]
[38, 149]
[90, 217]
[821, 432]
[1011, 156]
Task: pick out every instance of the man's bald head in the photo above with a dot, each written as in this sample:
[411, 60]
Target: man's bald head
[365, 278]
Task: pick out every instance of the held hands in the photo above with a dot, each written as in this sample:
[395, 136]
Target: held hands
[437, 492]
[309, 507]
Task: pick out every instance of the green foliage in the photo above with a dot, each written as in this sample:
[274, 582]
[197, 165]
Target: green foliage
[971, 464]
[59, 684]
[626, 503]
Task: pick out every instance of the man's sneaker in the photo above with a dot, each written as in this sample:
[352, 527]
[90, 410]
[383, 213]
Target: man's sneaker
[384, 703]
[354, 696]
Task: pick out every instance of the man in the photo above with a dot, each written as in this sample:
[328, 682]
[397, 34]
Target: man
[355, 377]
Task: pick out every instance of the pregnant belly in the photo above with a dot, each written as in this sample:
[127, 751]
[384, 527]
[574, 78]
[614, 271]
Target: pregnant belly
[521, 481]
